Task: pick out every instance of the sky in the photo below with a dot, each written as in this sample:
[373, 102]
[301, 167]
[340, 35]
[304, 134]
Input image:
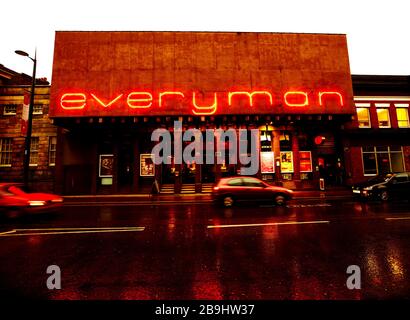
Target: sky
[377, 31]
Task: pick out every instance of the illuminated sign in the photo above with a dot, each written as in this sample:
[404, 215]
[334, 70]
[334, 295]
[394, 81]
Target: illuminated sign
[122, 74]
[286, 162]
[267, 162]
[145, 100]
[305, 161]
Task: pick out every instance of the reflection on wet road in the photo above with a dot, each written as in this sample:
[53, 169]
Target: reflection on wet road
[300, 251]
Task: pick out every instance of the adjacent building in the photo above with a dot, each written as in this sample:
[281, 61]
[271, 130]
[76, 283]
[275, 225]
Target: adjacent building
[13, 88]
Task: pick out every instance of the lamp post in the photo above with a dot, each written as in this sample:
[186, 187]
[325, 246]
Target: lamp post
[27, 145]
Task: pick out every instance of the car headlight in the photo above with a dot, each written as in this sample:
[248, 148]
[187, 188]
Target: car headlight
[368, 188]
[36, 203]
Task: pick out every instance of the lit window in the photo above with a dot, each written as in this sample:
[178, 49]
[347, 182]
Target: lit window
[383, 117]
[403, 117]
[34, 147]
[382, 160]
[5, 151]
[10, 109]
[38, 109]
[52, 147]
[363, 117]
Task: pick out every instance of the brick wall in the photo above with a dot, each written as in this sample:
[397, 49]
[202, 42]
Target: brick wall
[41, 175]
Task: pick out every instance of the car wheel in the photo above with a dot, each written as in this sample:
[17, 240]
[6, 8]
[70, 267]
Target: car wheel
[228, 201]
[384, 195]
[280, 200]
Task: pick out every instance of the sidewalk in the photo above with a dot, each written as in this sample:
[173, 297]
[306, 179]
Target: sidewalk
[332, 194]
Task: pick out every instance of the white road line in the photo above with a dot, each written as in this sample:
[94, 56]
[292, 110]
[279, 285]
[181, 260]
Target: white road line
[70, 229]
[267, 224]
[14, 233]
[401, 218]
[7, 232]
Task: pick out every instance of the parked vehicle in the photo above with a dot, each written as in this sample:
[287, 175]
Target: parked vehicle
[14, 201]
[232, 190]
[385, 187]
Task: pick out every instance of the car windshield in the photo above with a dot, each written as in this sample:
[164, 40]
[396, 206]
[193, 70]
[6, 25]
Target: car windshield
[15, 190]
[381, 178]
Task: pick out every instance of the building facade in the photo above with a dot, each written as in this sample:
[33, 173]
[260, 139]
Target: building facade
[314, 119]
[13, 88]
[378, 139]
[116, 88]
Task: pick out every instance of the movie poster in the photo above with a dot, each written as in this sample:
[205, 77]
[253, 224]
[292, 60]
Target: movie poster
[147, 166]
[286, 162]
[305, 161]
[267, 162]
[106, 165]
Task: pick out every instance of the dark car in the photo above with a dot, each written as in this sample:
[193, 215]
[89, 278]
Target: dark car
[385, 187]
[229, 191]
[14, 201]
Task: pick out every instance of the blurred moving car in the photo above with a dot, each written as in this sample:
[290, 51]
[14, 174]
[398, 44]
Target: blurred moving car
[14, 201]
[229, 191]
[384, 187]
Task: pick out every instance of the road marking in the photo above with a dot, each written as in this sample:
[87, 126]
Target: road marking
[267, 224]
[401, 218]
[8, 232]
[58, 231]
[69, 229]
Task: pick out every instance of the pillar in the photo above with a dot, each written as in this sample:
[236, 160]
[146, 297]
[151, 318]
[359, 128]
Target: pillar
[296, 157]
[276, 152]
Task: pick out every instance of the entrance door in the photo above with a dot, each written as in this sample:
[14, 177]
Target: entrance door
[208, 173]
[125, 167]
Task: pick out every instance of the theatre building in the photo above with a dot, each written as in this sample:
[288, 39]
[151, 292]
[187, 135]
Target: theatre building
[111, 90]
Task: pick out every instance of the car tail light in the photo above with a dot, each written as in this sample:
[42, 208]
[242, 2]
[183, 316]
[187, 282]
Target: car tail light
[57, 200]
[36, 203]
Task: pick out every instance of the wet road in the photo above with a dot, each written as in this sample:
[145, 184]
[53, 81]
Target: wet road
[186, 251]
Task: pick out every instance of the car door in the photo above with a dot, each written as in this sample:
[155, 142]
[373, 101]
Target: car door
[255, 190]
[235, 187]
[399, 185]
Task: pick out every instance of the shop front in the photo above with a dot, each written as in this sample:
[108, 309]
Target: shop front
[110, 95]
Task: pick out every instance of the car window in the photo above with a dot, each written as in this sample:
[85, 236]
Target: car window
[401, 177]
[15, 190]
[235, 182]
[249, 182]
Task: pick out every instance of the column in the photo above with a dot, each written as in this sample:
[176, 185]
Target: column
[296, 157]
[276, 150]
[136, 169]
[115, 167]
[59, 167]
[94, 174]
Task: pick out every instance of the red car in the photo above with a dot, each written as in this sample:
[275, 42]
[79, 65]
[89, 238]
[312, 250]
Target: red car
[14, 201]
[229, 191]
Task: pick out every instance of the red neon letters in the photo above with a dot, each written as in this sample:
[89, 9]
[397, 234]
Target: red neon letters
[145, 100]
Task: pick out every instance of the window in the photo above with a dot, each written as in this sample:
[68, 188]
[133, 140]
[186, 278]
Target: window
[5, 151]
[235, 182]
[10, 109]
[34, 147]
[52, 147]
[402, 115]
[400, 178]
[363, 115]
[382, 159]
[383, 115]
[249, 182]
[38, 109]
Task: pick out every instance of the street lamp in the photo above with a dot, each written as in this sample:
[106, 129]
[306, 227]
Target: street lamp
[27, 146]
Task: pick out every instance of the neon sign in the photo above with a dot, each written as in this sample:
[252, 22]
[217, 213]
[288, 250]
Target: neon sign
[147, 100]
